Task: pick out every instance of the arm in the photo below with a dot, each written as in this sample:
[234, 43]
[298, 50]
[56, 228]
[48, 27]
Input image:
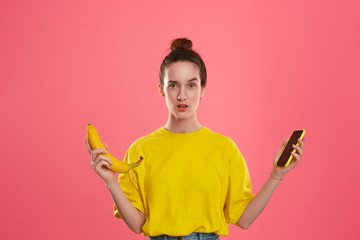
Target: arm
[259, 202]
[133, 217]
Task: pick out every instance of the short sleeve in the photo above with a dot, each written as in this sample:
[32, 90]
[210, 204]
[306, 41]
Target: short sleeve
[129, 183]
[239, 189]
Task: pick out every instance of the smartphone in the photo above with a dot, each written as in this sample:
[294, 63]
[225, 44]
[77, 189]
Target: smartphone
[286, 156]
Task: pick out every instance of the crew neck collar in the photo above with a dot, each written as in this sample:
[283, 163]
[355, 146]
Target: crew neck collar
[190, 134]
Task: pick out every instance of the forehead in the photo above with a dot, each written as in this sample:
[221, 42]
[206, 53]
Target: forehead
[182, 71]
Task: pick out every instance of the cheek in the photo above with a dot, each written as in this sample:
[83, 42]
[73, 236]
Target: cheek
[170, 96]
[194, 94]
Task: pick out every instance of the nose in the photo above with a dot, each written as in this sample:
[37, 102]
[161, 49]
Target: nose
[182, 95]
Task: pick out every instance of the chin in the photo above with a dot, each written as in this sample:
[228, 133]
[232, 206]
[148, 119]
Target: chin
[180, 116]
[176, 116]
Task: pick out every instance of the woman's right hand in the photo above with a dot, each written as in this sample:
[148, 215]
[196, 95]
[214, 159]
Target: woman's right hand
[101, 163]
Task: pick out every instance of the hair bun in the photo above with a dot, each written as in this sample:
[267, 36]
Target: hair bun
[181, 43]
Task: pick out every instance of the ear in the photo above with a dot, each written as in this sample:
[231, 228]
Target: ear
[161, 90]
[202, 92]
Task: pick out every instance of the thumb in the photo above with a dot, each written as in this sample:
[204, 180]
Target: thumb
[106, 146]
[277, 155]
[285, 142]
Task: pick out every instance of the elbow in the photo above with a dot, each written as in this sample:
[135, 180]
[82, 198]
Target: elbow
[137, 230]
[244, 226]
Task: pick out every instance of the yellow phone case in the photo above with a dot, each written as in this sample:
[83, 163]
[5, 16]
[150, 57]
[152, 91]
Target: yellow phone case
[294, 150]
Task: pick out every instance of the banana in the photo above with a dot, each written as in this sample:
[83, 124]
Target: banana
[117, 165]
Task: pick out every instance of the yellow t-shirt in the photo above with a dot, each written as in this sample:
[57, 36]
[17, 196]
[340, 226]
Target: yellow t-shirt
[187, 182]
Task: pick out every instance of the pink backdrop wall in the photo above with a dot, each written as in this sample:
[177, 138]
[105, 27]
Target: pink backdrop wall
[273, 66]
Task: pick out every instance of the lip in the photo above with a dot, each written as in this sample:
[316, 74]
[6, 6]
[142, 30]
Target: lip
[182, 109]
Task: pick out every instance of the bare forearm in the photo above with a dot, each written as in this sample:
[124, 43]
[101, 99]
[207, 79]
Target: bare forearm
[258, 203]
[131, 215]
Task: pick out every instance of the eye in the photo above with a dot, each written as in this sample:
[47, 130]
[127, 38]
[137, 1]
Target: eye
[191, 85]
[172, 85]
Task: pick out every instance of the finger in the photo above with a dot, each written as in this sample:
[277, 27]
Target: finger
[293, 163]
[105, 158]
[98, 151]
[301, 142]
[285, 142]
[101, 160]
[280, 150]
[88, 145]
[106, 146]
[298, 149]
[106, 164]
[296, 156]
[99, 165]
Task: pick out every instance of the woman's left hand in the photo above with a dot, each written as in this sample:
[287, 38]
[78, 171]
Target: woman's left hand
[279, 172]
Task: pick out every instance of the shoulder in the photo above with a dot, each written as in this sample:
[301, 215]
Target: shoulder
[145, 139]
[222, 138]
[228, 143]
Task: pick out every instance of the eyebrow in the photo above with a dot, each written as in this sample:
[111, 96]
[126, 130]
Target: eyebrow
[173, 81]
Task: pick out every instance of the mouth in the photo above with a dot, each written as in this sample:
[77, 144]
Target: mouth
[182, 106]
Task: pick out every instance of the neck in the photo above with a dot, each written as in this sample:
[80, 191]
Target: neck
[182, 125]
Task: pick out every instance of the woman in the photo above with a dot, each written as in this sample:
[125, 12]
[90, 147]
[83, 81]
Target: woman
[192, 181]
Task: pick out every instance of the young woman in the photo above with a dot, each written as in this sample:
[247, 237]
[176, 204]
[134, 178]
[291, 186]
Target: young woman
[192, 181]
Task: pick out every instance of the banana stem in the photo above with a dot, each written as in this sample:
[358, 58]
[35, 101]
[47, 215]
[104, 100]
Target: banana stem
[140, 160]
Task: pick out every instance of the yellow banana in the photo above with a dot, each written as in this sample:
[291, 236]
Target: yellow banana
[117, 165]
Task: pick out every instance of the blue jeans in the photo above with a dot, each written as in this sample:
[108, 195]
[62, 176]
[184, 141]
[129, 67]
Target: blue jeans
[193, 236]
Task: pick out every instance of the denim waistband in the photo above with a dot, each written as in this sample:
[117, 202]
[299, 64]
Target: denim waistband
[192, 236]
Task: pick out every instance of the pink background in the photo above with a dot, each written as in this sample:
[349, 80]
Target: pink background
[273, 66]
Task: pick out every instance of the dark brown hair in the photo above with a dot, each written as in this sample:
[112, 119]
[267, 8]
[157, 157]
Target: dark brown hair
[181, 50]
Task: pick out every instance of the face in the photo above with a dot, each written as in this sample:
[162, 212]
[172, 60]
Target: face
[182, 89]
